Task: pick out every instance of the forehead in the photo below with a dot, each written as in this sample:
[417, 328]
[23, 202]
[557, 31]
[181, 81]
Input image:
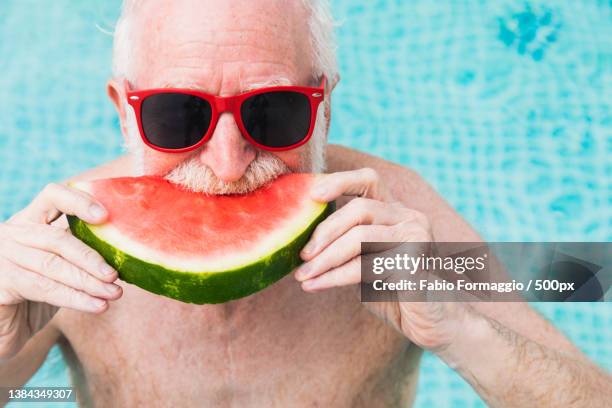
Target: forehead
[222, 47]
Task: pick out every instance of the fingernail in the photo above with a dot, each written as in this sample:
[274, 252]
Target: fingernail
[309, 284]
[319, 191]
[111, 289]
[96, 211]
[303, 272]
[309, 248]
[107, 270]
[97, 303]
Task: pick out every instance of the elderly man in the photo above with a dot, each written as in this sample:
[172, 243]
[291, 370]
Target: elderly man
[304, 343]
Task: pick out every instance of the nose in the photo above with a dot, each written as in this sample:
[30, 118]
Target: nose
[227, 153]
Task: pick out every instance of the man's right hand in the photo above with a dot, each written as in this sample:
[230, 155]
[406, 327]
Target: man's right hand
[44, 267]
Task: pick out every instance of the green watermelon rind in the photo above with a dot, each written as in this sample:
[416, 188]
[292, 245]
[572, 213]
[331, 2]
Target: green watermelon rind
[200, 287]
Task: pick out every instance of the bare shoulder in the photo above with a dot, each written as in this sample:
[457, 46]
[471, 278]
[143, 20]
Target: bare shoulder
[116, 168]
[401, 180]
[408, 187]
[342, 158]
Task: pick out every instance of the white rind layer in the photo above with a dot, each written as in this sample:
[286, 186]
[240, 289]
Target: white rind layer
[273, 242]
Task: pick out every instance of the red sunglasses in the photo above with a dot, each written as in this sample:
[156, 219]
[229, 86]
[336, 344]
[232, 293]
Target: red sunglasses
[180, 120]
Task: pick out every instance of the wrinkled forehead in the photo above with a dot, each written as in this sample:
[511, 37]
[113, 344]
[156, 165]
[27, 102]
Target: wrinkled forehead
[221, 46]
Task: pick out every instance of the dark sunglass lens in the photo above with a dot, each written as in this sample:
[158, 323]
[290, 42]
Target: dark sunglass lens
[174, 120]
[276, 119]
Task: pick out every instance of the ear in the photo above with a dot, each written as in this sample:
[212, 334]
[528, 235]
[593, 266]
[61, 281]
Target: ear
[333, 82]
[327, 113]
[116, 93]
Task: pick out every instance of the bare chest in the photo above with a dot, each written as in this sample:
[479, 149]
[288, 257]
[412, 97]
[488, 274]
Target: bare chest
[275, 348]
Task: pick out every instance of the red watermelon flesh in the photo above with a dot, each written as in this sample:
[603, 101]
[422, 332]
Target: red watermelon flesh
[155, 224]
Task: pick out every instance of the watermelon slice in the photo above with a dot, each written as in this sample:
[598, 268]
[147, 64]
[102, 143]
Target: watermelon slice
[199, 248]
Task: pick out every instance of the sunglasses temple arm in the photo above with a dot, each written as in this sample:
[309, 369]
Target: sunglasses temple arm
[323, 83]
[126, 85]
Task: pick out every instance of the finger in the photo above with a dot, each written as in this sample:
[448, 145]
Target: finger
[346, 274]
[359, 211]
[56, 197]
[63, 243]
[349, 245]
[57, 268]
[342, 250]
[363, 182]
[32, 286]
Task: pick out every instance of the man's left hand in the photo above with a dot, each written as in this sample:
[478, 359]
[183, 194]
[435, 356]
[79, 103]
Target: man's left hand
[333, 254]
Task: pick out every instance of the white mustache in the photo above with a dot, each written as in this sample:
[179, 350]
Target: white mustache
[198, 177]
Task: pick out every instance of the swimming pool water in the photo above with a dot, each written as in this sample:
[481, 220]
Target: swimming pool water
[504, 106]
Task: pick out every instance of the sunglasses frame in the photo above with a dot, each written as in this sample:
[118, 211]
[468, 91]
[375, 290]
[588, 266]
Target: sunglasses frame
[221, 104]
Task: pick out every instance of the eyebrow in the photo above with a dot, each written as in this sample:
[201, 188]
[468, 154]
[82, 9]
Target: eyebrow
[276, 81]
[180, 85]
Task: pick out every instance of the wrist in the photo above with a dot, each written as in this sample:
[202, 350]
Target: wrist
[476, 343]
[484, 354]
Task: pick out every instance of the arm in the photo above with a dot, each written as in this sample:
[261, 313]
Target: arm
[448, 226]
[27, 329]
[43, 267]
[519, 372]
[16, 371]
[506, 351]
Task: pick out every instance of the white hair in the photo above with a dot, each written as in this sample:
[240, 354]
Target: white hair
[321, 27]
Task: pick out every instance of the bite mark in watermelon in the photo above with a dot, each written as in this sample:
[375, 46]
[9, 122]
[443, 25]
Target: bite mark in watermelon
[201, 248]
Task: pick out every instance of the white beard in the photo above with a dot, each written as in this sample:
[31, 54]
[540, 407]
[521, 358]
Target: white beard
[195, 176]
[134, 144]
[318, 142]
